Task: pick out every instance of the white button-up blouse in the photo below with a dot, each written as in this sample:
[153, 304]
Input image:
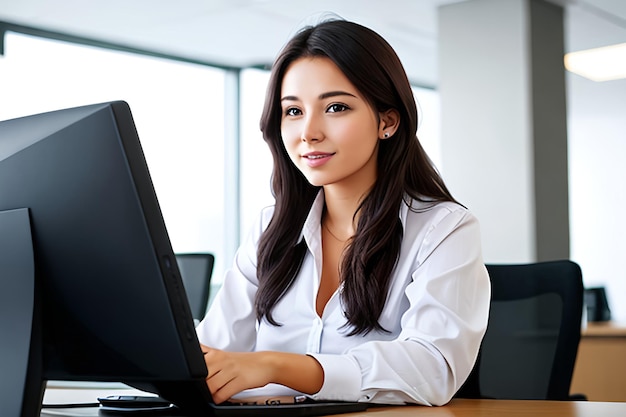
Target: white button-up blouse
[436, 313]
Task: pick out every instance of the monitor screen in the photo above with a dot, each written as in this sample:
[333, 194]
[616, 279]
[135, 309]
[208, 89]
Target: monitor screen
[109, 303]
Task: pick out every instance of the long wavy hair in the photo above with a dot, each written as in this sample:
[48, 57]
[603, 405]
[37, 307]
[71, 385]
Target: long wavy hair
[405, 171]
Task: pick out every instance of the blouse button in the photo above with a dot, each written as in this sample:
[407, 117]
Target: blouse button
[315, 336]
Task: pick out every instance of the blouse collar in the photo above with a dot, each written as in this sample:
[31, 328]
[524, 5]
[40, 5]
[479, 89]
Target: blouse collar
[311, 231]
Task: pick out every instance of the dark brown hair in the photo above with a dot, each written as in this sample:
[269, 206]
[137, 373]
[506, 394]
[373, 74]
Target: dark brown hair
[405, 170]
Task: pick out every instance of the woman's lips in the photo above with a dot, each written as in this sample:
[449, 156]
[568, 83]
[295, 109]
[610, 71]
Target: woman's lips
[316, 159]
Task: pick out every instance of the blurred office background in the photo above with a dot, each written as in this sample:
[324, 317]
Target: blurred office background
[194, 74]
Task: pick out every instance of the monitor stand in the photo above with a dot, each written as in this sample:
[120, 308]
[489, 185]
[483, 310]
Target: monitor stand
[21, 383]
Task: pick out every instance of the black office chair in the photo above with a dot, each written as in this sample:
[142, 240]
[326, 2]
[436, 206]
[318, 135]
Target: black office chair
[196, 270]
[530, 346]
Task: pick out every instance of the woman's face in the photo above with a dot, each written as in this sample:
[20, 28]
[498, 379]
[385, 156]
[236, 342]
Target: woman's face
[328, 128]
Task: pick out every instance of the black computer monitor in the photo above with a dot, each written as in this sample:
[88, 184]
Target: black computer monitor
[87, 271]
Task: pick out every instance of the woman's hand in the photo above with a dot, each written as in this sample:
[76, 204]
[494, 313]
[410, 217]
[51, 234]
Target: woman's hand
[232, 372]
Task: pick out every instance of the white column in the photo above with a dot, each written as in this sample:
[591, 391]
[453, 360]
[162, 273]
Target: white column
[504, 133]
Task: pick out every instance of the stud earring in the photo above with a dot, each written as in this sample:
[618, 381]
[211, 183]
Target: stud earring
[386, 135]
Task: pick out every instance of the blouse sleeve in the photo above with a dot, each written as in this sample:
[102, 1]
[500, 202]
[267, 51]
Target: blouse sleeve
[448, 295]
[230, 323]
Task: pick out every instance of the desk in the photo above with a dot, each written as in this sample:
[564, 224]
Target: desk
[600, 371]
[456, 408]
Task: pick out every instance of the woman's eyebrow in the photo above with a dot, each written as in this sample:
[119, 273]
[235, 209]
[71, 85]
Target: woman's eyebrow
[335, 94]
[321, 96]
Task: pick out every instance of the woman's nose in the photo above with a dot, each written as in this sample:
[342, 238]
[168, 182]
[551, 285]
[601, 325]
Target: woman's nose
[311, 129]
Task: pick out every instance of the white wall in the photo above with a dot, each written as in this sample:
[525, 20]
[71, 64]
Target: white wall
[487, 142]
[597, 165]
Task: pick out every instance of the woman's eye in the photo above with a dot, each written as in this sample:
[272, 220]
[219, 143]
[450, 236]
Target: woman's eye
[336, 108]
[292, 111]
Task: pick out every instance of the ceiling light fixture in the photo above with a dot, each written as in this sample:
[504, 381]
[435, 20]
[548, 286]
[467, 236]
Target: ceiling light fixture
[598, 64]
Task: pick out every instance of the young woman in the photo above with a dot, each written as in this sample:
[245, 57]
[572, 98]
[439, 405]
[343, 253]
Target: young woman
[365, 280]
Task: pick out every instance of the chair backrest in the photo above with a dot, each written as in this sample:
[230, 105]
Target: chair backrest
[196, 270]
[529, 349]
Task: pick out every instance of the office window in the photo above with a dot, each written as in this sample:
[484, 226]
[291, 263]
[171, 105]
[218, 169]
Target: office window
[177, 107]
[429, 119]
[255, 157]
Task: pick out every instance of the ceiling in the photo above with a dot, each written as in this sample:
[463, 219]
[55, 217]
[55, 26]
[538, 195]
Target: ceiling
[250, 32]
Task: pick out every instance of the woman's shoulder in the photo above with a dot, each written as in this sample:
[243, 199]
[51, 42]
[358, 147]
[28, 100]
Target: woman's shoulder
[425, 205]
[263, 219]
[433, 212]
[266, 214]
[426, 224]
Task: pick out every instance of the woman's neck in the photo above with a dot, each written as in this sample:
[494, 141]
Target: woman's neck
[339, 213]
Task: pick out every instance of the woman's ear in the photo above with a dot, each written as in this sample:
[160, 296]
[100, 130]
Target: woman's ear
[388, 124]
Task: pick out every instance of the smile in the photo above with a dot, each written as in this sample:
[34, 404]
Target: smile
[317, 159]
